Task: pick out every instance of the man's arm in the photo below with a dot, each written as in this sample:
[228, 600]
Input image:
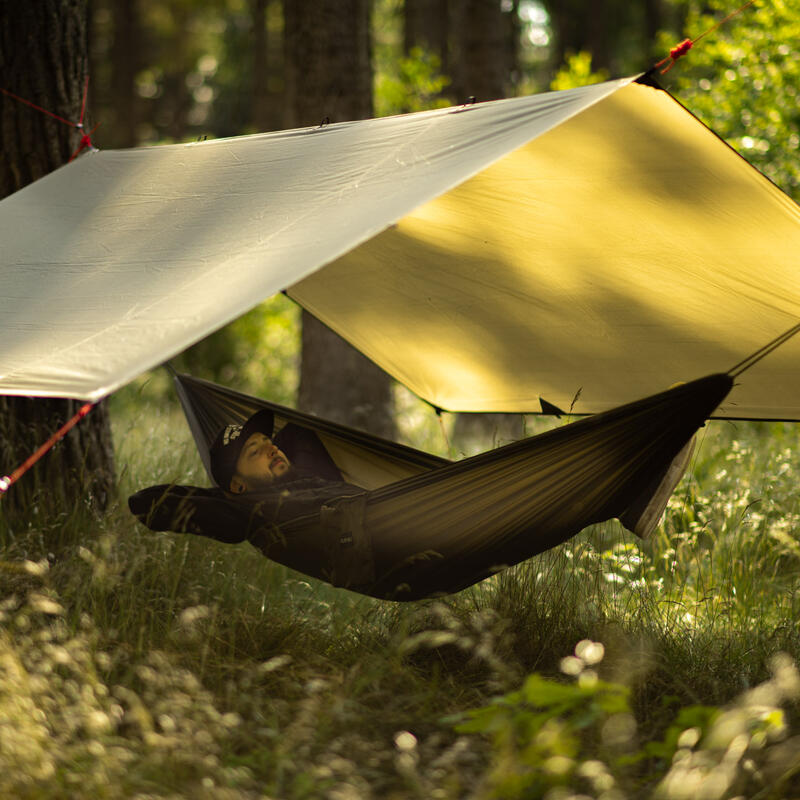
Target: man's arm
[190, 509]
[210, 512]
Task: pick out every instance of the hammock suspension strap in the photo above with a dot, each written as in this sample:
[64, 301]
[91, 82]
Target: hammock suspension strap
[754, 358]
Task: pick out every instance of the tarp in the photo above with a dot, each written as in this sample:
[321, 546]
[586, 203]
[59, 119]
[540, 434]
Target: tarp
[599, 239]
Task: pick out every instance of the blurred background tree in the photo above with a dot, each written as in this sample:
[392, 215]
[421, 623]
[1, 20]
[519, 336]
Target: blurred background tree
[328, 67]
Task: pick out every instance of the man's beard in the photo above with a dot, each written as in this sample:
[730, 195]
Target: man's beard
[261, 484]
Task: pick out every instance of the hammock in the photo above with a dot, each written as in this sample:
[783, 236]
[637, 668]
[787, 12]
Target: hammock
[426, 526]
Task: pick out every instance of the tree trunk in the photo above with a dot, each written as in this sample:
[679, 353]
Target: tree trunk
[43, 58]
[426, 24]
[602, 27]
[329, 75]
[260, 65]
[172, 115]
[653, 23]
[125, 64]
[328, 58]
[483, 61]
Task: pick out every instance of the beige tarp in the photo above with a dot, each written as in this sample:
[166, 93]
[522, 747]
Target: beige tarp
[599, 239]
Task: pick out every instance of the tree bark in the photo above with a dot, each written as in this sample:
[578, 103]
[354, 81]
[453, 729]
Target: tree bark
[260, 65]
[328, 63]
[328, 56]
[44, 58]
[482, 50]
[426, 24]
[125, 64]
[605, 28]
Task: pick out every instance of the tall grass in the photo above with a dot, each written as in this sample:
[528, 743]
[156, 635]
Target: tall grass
[136, 664]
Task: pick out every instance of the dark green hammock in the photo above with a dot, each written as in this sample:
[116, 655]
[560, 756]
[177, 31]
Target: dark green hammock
[427, 526]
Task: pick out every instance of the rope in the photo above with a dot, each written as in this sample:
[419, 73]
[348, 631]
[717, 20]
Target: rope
[9, 480]
[754, 358]
[86, 139]
[85, 143]
[444, 432]
[686, 45]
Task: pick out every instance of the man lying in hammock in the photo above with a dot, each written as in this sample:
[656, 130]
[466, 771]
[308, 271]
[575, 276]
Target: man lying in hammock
[450, 525]
[264, 480]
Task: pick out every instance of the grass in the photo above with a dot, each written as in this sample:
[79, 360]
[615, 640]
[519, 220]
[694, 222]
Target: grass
[136, 664]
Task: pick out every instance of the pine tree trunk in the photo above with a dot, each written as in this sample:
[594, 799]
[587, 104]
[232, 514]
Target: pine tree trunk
[125, 64]
[580, 25]
[329, 75]
[171, 115]
[426, 24]
[482, 65]
[258, 9]
[43, 58]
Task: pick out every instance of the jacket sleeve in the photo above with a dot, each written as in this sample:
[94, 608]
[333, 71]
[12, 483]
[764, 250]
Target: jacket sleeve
[210, 512]
[190, 509]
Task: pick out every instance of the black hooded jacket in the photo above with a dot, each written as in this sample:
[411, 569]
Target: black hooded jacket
[312, 481]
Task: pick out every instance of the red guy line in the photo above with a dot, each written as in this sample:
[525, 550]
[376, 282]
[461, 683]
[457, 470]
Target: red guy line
[86, 139]
[686, 45]
[10, 480]
[39, 108]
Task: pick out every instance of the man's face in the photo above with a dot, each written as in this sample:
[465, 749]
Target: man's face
[260, 462]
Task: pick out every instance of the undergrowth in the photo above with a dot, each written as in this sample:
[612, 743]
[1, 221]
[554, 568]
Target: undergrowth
[136, 664]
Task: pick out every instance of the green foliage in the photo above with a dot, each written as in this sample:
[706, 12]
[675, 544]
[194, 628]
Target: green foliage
[743, 81]
[413, 83]
[538, 732]
[577, 72]
[550, 739]
[258, 353]
[403, 83]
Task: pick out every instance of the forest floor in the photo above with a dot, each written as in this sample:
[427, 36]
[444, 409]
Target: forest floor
[144, 665]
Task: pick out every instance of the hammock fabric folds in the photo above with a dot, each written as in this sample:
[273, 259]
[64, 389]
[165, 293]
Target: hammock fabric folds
[426, 526]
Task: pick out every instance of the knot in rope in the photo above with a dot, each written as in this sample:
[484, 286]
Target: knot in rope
[674, 54]
[686, 45]
[681, 49]
[86, 139]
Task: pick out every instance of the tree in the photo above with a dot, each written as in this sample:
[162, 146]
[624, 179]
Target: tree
[619, 34]
[328, 64]
[482, 50]
[125, 63]
[44, 58]
[426, 25]
[743, 81]
[260, 65]
[475, 42]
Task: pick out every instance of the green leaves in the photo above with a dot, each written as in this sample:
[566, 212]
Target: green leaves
[577, 71]
[743, 79]
[582, 737]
